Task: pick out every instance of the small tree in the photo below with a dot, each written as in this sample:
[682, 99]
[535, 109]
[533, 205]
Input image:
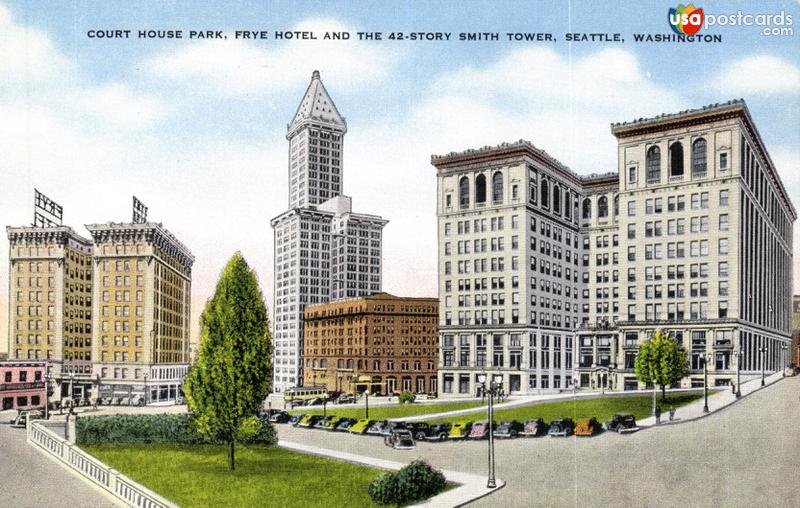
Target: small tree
[232, 374]
[661, 360]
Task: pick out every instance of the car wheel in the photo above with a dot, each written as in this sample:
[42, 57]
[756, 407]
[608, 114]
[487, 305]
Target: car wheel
[442, 436]
[513, 434]
[420, 436]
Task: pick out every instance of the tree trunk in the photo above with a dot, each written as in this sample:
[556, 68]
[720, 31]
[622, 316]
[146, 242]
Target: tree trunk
[231, 459]
[663, 393]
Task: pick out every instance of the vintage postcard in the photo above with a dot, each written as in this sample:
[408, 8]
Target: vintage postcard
[412, 253]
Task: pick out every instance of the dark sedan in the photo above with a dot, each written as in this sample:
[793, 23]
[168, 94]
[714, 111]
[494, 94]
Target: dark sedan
[561, 428]
[508, 429]
[622, 424]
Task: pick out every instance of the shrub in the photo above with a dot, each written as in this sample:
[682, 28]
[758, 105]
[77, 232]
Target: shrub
[406, 398]
[414, 482]
[159, 429]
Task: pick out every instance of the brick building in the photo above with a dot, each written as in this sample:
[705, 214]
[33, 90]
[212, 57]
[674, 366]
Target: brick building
[22, 384]
[388, 338]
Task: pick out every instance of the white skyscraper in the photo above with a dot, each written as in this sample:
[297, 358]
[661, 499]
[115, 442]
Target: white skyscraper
[323, 251]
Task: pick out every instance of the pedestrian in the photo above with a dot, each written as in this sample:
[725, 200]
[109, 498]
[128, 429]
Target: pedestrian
[658, 415]
[671, 413]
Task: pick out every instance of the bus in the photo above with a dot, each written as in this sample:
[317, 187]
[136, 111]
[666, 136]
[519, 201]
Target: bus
[302, 394]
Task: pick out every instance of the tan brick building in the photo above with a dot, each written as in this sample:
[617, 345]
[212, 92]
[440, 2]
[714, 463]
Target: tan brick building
[391, 339]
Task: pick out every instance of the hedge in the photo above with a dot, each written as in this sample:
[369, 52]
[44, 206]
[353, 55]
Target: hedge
[414, 482]
[157, 429]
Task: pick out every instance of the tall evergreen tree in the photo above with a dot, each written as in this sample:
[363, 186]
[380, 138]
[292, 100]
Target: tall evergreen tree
[232, 373]
[662, 361]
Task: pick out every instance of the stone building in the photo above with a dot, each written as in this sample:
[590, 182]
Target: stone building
[323, 250]
[388, 339]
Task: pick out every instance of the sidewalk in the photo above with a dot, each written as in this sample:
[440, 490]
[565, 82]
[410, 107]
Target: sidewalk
[470, 486]
[717, 399]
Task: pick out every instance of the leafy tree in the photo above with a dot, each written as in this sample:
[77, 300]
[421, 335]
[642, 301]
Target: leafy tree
[661, 360]
[232, 373]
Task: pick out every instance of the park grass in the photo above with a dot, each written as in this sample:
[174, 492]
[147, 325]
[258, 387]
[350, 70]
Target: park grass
[387, 412]
[198, 475]
[602, 408]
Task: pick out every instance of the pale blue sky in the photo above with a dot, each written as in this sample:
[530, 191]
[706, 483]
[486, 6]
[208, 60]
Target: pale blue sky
[196, 129]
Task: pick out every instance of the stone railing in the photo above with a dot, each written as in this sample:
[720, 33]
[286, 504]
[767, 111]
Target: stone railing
[114, 482]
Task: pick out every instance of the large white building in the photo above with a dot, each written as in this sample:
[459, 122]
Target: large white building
[323, 250]
[692, 235]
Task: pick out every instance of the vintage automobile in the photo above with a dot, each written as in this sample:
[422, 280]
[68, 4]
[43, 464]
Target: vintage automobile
[361, 426]
[418, 429]
[399, 440]
[295, 419]
[561, 428]
[460, 430]
[377, 427]
[479, 430]
[280, 417]
[329, 423]
[320, 424]
[437, 432]
[309, 421]
[508, 429]
[346, 398]
[21, 420]
[344, 424]
[391, 427]
[534, 428]
[588, 427]
[622, 424]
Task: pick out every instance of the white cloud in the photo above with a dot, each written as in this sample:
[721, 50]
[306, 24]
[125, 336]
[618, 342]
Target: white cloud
[755, 74]
[119, 104]
[240, 67]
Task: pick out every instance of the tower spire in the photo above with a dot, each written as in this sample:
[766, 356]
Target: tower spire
[317, 106]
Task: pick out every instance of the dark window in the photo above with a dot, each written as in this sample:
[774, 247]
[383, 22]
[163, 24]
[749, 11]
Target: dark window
[544, 192]
[556, 199]
[480, 189]
[676, 159]
[8, 377]
[653, 164]
[463, 192]
[602, 207]
[567, 206]
[23, 376]
[699, 157]
[587, 208]
[497, 187]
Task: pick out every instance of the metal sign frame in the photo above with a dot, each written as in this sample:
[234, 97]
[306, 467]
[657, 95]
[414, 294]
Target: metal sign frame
[139, 211]
[46, 212]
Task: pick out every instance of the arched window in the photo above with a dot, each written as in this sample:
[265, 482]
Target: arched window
[587, 208]
[340, 364]
[480, 189]
[497, 187]
[323, 363]
[463, 192]
[602, 207]
[699, 157]
[676, 159]
[350, 363]
[544, 193]
[567, 204]
[360, 365]
[653, 164]
[557, 199]
[616, 205]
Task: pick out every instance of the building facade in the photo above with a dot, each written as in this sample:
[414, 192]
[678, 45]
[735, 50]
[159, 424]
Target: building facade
[509, 268]
[141, 305]
[323, 250]
[692, 235]
[22, 384]
[388, 339]
[795, 330]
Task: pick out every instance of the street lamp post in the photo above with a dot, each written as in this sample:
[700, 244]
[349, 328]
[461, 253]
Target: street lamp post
[493, 388]
[706, 359]
[763, 351]
[47, 394]
[71, 390]
[145, 389]
[739, 357]
[784, 347]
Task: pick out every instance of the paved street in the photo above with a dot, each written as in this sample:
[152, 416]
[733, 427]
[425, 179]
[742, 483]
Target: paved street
[745, 455]
[30, 478]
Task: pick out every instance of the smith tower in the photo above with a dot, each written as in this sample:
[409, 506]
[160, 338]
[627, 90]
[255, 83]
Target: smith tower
[323, 251]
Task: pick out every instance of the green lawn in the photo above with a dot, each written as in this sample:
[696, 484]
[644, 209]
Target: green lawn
[265, 475]
[386, 412]
[601, 408]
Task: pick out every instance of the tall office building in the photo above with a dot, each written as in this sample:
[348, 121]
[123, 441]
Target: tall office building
[323, 250]
[692, 235]
[509, 268]
[141, 305]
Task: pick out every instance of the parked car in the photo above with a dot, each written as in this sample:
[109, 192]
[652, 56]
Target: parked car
[137, 400]
[345, 424]
[588, 427]
[460, 430]
[400, 440]
[437, 432]
[377, 427]
[479, 430]
[508, 429]
[622, 424]
[534, 428]
[21, 420]
[280, 417]
[320, 424]
[309, 421]
[314, 402]
[329, 423]
[360, 426]
[295, 419]
[561, 428]
[392, 427]
[346, 398]
[418, 429]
